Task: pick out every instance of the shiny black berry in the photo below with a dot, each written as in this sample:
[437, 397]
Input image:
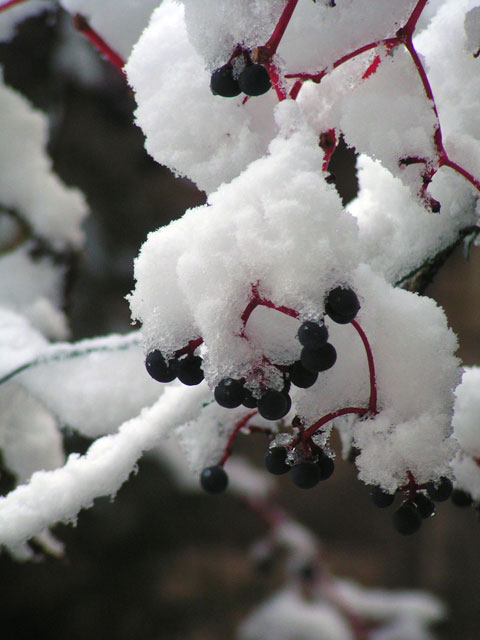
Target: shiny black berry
[381, 498]
[222, 82]
[214, 479]
[248, 399]
[342, 305]
[326, 466]
[276, 461]
[313, 335]
[406, 520]
[461, 498]
[301, 377]
[229, 393]
[189, 370]
[305, 474]
[159, 368]
[317, 360]
[254, 80]
[425, 506]
[440, 491]
[274, 405]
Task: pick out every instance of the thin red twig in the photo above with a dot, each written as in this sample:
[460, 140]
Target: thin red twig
[258, 300]
[82, 25]
[238, 426]
[271, 46]
[372, 404]
[308, 433]
[9, 4]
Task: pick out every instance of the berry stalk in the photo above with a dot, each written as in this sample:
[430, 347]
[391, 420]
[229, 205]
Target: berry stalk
[81, 24]
[10, 3]
[270, 48]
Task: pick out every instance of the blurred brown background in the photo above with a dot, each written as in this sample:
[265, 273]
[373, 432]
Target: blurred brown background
[158, 563]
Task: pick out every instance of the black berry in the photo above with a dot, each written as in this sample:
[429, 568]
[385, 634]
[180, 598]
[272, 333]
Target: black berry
[305, 474]
[189, 370]
[381, 498]
[222, 82]
[406, 519]
[461, 498]
[276, 461]
[312, 335]
[158, 367]
[214, 479]
[254, 80]
[425, 506]
[316, 360]
[342, 305]
[326, 466]
[229, 393]
[440, 491]
[248, 399]
[274, 405]
[301, 377]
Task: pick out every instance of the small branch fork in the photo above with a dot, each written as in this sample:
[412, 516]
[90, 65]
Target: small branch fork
[404, 36]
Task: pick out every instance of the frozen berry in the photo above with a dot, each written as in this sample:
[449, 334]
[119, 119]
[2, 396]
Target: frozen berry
[440, 491]
[189, 370]
[301, 377]
[316, 360]
[214, 479]
[254, 80]
[342, 305]
[229, 393]
[276, 461]
[406, 519]
[312, 335]
[274, 405]
[222, 82]
[248, 399]
[381, 498]
[158, 367]
[461, 498]
[305, 474]
[425, 506]
[326, 466]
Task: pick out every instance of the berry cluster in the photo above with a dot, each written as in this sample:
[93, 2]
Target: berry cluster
[186, 367]
[229, 81]
[317, 355]
[306, 472]
[418, 505]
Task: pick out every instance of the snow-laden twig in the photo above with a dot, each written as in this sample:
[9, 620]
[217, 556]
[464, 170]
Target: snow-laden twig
[58, 496]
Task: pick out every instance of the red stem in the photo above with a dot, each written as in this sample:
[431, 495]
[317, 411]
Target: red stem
[190, 348]
[275, 80]
[308, 433]
[82, 25]
[411, 23]
[271, 46]
[372, 404]
[239, 425]
[9, 3]
[258, 300]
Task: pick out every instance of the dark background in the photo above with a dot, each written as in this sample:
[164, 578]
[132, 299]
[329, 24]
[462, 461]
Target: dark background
[156, 562]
